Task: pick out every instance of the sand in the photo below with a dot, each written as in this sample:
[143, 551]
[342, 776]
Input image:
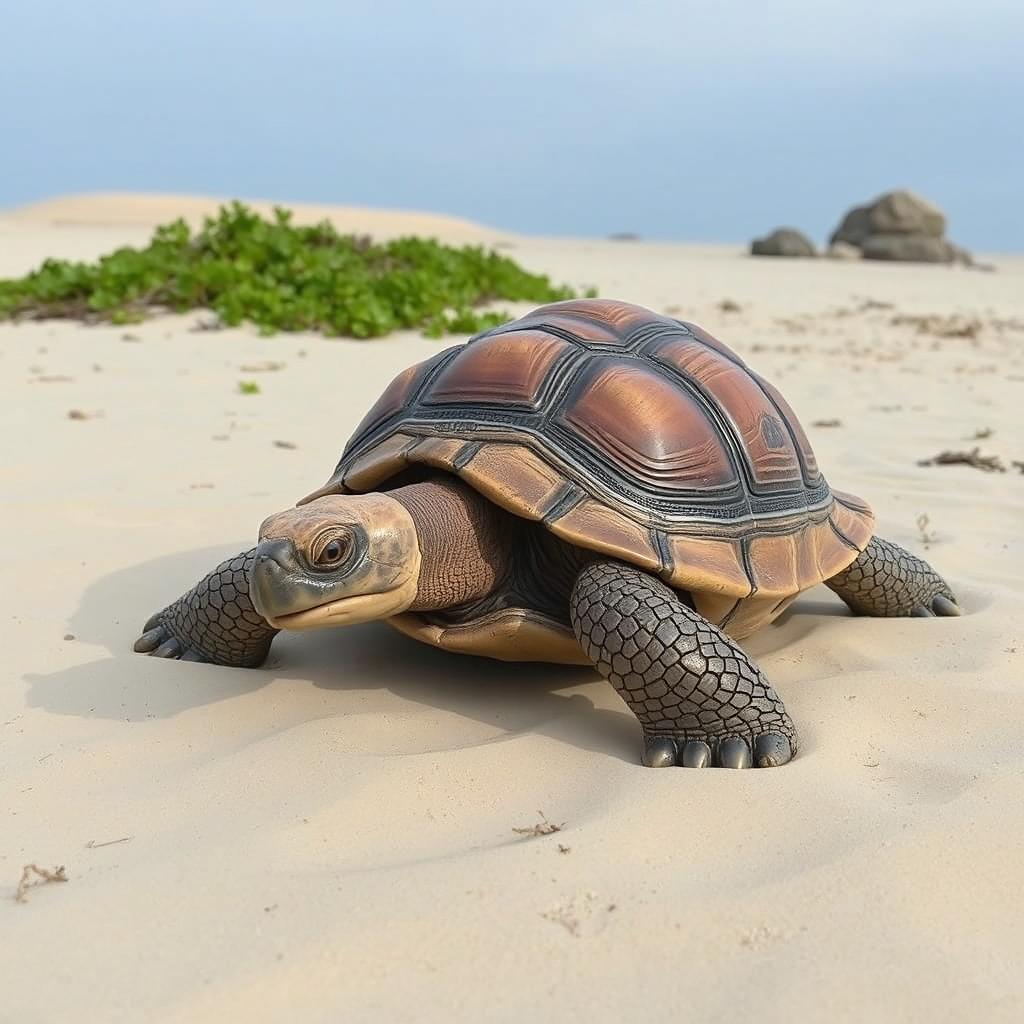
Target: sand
[332, 837]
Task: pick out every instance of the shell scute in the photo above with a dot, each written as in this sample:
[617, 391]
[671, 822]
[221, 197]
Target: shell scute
[507, 369]
[768, 449]
[651, 428]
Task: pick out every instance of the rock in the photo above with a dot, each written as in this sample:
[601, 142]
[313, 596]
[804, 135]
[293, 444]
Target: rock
[962, 256]
[897, 226]
[911, 248]
[854, 227]
[843, 251]
[783, 242]
[903, 213]
[894, 213]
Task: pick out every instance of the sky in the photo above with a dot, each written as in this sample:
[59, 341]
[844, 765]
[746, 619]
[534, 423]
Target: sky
[702, 121]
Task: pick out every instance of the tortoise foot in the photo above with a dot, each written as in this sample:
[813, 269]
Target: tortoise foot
[763, 750]
[888, 581]
[215, 622]
[160, 641]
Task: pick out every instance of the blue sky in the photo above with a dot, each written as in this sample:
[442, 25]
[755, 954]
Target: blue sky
[703, 121]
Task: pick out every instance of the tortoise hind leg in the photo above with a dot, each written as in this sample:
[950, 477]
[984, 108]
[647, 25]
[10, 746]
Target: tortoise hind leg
[886, 580]
[700, 700]
[214, 622]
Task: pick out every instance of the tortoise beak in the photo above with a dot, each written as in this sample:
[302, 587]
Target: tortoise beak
[280, 584]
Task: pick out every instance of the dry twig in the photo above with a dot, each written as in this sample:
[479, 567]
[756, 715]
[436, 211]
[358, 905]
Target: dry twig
[542, 828]
[973, 458]
[44, 875]
[93, 845]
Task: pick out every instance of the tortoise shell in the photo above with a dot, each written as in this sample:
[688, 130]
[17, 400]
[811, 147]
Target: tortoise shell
[631, 434]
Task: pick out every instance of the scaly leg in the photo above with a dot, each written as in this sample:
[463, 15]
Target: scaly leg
[214, 622]
[886, 580]
[700, 700]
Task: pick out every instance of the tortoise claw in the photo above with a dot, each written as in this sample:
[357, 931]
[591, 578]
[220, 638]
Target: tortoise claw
[920, 612]
[169, 649]
[734, 753]
[696, 754]
[150, 640]
[772, 749]
[659, 752]
[942, 605]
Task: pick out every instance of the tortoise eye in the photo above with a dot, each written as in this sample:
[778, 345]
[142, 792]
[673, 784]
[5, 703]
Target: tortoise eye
[332, 553]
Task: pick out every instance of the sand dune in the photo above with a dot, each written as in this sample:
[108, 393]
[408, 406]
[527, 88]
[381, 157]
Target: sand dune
[114, 209]
[331, 837]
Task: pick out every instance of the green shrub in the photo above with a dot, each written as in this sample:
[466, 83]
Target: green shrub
[283, 278]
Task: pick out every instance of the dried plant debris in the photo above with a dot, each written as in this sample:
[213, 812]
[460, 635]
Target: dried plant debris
[290, 445]
[730, 306]
[33, 875]
[93, 845]
[542, 828]
[1018, 464]
[267, 366]
[81, 414]
[827, 423]
[973, 458]
[981, 434]
[940, 326]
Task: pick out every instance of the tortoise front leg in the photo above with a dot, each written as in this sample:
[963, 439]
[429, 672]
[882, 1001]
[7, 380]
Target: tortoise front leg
[214, 622]
[700, 700]
[886, 580]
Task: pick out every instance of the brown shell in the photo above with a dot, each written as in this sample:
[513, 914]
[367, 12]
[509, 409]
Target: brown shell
[631, 434]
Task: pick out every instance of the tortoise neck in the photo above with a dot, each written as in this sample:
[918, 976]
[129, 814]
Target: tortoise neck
[463, 554]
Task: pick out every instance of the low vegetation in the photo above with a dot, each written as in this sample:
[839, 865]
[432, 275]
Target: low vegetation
[282, 277]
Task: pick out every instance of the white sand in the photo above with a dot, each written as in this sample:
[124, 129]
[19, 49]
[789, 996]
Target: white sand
[331, 837]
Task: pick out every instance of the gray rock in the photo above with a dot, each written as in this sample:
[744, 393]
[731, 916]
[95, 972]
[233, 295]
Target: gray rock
[912, 248]
[854, 228]
[843, 251]
[962, 256]
[894, 213]
[783, 242]
[903, 213]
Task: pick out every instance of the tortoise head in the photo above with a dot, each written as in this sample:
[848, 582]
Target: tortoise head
[338, 560]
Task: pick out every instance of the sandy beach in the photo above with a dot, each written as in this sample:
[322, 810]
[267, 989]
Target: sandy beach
[333, 836]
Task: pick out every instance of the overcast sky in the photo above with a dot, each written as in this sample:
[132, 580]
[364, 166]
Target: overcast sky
[674, 119]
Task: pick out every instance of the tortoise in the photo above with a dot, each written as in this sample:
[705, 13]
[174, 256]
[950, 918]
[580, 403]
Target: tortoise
[590, 484]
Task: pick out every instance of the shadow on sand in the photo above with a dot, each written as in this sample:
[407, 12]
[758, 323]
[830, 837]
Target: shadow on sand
[510, 698]
[130, 687]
